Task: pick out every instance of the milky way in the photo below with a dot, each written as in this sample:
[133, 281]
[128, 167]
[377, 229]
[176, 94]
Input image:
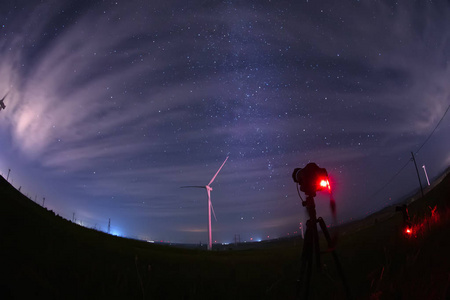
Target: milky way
[113, 106]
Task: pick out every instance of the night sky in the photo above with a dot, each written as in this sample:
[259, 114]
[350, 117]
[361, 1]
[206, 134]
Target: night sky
[113, 105]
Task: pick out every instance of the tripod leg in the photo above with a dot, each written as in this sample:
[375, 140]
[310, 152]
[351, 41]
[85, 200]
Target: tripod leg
[306, 262]
[324, 228]
[335, 257]
[316, 246]
[310, 258]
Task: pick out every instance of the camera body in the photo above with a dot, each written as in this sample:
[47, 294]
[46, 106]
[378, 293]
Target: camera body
[311, 179]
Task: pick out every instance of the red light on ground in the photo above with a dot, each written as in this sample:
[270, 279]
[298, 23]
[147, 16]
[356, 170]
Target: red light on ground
[408, 231]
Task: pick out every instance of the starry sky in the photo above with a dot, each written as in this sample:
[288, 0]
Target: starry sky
[113, 105]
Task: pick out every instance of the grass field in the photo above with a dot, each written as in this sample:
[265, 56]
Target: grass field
[44, 256]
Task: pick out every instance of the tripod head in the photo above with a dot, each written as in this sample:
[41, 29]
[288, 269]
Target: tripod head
[310, 207]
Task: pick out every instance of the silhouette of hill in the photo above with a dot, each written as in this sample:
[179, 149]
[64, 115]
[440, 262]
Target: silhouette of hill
[46, 256]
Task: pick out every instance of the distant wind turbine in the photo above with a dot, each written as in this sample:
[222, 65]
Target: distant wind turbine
[210, 207]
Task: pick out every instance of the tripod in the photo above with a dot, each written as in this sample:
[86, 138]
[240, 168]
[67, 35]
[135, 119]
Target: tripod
[311, 248]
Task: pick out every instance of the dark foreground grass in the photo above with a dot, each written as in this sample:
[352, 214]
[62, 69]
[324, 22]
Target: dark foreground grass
[46, 257]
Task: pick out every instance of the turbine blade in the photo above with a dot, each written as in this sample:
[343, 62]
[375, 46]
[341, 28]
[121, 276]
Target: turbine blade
[214, 214]
[194, 186]
[218, 171]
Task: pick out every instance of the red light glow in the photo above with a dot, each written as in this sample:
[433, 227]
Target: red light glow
[324, 183]
[419, 229]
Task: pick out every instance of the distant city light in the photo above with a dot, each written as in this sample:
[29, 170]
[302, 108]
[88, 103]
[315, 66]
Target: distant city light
[116, 232]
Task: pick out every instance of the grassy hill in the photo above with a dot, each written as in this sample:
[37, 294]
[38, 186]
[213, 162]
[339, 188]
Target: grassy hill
[46, 256]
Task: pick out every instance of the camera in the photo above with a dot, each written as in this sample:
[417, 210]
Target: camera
[311, 179]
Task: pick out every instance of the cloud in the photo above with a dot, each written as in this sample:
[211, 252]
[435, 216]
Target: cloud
[127, 102]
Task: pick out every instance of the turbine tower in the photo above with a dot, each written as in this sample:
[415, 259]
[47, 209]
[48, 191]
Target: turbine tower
[210, 207]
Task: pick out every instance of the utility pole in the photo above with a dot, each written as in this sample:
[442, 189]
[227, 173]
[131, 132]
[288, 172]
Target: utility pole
[426, 175]
[43, 201]
[7, 178]
[417, 170]
[109, 226]
[237, 239]
[73, 217]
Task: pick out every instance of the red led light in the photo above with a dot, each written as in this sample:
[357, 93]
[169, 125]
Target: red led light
[409, 231]
[324, 183]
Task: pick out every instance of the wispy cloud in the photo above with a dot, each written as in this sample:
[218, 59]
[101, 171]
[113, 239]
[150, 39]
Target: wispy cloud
[128, 102]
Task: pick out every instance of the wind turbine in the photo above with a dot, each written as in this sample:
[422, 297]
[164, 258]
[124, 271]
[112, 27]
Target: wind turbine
[210, 207]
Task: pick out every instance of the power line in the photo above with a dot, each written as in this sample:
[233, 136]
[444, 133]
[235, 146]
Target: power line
[433, 129]
[404, 166]
[390, 180]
